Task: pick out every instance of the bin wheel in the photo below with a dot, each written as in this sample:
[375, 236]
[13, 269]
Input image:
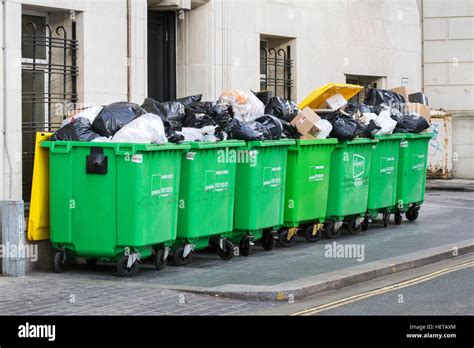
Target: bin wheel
[92, 263]
[329, 230]
[386, 218]
[59, 261]
[228, 251]
[351, 226]
[310, 236]
[160, 263]
[268, 240]
[245, 246]
[125, 271]
[179, 259]
[365, 224]
[283, 238]
[412, 213]
[398, 218]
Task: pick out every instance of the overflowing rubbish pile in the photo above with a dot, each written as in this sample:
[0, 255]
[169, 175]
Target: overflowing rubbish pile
[244, 116]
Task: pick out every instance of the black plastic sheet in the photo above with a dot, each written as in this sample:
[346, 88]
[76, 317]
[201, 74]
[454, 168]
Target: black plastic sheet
[114, 116]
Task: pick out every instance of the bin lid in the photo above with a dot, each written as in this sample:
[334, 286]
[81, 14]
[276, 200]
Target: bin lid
[120, 148]
[267, 143]
[317, 98]
[418, 135]
[358, 141]
[303, 142]
[214, 144]
[390, 136]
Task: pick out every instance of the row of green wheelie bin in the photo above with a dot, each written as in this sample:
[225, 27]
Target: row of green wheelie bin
[129, 202]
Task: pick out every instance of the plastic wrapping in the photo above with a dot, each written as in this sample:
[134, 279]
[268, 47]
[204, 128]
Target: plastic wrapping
[79, 129]
[273, 124]
[282, 108]
[89, 114]
[147, 129]
[246, 106]
[325, 129]
[114, 116]
[199, 134]
[367, 117]
[249, 131]
[385, 121]
[411, 123]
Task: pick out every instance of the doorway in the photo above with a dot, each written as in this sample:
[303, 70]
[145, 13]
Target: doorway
[162, 55]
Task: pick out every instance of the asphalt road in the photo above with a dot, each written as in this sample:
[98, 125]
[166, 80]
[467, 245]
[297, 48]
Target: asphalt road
[443, 288]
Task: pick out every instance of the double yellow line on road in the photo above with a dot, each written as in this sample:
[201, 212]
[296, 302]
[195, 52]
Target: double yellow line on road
[364, 295]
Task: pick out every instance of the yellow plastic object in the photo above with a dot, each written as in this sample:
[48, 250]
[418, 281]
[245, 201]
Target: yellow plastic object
[38, 222]
[317, 98]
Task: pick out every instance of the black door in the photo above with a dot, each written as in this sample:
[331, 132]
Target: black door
[161, 56]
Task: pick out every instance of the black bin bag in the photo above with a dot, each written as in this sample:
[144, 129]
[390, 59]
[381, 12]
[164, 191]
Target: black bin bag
[273, 125]
[249, 131]
[114, 116]
[222, 115]
[376, 97]
[79, 129]
[282, 108]
[410, 123]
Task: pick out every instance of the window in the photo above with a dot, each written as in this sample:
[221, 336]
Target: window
[276, 66]
[49, 75]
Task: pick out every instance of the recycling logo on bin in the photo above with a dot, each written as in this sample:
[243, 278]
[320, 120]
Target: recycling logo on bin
[271, 176]
[162, 185]
[358, 169]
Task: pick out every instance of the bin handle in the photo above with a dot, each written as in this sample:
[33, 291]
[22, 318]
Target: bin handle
[61, 147]
[123, 149]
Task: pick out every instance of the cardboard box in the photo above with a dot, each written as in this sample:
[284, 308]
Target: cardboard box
[420, 109]
[307, 137]
[336, 102]
[404, 92]
[305, 122]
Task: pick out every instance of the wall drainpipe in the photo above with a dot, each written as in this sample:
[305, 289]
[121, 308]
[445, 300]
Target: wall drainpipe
[4, 118]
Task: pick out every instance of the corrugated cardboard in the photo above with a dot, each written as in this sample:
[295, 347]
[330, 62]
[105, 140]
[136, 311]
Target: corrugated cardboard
[305, 122]
[403, 91]
[420, 109]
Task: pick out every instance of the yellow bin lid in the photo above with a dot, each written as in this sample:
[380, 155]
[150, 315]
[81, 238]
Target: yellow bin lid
[317, 98]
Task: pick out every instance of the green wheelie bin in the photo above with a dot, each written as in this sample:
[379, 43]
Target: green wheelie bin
[113, 201]
[383, 178]
[206, 198]
[411, 178]
[306, 189]
[348, 186]
[259, 194]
